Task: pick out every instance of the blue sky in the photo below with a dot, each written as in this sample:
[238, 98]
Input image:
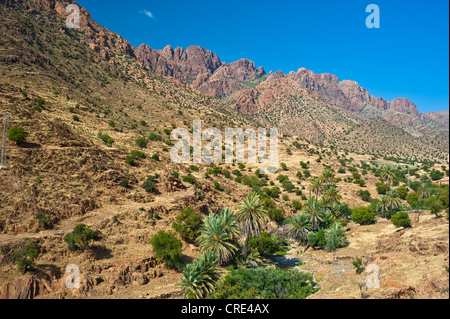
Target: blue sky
[407, 57]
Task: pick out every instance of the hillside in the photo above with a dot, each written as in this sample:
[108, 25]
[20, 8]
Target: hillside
[85, 98]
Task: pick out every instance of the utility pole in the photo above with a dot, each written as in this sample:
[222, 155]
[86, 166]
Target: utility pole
[3, 162]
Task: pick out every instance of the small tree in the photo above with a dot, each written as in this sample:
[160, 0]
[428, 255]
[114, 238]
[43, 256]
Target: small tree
[141, 142]
[401, 219]
[167, 247]
[363, 216]
[188, 223]
[25, 256]
[17, 134]
[80, 238]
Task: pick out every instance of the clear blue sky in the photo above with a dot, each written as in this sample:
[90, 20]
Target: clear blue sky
[407, 57]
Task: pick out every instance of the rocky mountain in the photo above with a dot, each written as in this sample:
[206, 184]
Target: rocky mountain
[238, 82]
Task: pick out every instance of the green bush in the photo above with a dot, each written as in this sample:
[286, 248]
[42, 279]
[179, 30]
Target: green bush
[382, 188]
[167, 248]
[189, 179]
[138, 154]
[124, 183]
[130, 160]
[402, 192]
[413, 200]
[142, 142]
[80, 238]
[106, 139]
[149, 185]
[155, 157]
[188, 223]
[25, 256]
[17, 134]
[363, 216]
[265, 245]
[401, 219]
[44, 218]
[155, 137]
[265, 283]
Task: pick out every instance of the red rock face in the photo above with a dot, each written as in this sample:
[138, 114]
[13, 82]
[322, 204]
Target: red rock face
[201, 67]
[179, 63]
[403, 105]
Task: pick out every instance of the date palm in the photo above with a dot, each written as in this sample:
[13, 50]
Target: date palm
[315, 212]
[300, 227]
[316, 187]
[328, 177]
[216, 237]
[200, 277]
[423, 191]
[230, 223]
[383, 205]
[394, 201]
[387, 174]
[332, 195]
[251, 215]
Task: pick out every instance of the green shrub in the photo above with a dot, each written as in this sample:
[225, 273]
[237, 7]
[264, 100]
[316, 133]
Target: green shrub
[265, 245]
[217, 186]
[265, 283]
[155, 137]
[413, 199]
[25, 256]
[155, 157]
[402, 192]
[130, 160]
[365, 196]
[44, 218]
[188, 223]
[382, 188]
[106, 139]
[359, 265]
[80, 238]
[297, 205]
[363, 216]
[189, 179]
[142, 142]
[17, 134]
[124, 183]
[167, 248]
[401, 219]
[149, 185]
[76, 118]
[138, 154]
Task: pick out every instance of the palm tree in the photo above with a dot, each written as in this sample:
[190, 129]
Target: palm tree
[394, 201]
[316, 187]
[332, 195]
[230, 223]
[423, 191]
[328, 177]
[216, 237]
[200, 277]
[251, 215]
[335, 209]
[388, 176]
[383, 205]
[335, 237]
[300, 227]
[315, 212]
[327, 220]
